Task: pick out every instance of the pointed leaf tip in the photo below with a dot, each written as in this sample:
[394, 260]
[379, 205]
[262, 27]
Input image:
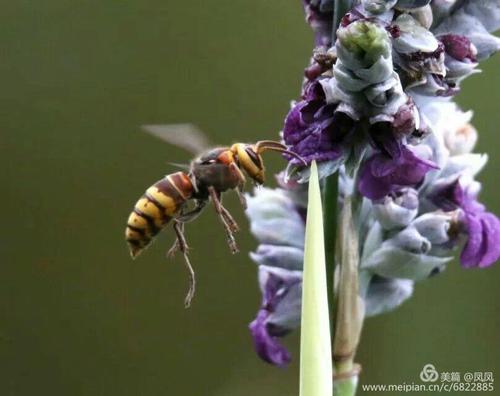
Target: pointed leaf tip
[315, 344]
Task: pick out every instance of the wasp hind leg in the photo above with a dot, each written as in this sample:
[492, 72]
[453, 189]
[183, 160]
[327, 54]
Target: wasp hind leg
[181, 244]
[176, 246]
[185, 218]
[230, 225]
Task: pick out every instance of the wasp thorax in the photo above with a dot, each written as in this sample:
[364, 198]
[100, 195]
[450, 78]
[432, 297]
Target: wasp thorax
[250, 161]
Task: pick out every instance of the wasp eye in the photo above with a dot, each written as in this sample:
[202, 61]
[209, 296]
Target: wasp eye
[254, 157]
[208, 162]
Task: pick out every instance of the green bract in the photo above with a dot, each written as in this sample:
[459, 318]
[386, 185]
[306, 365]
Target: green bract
[365, 40]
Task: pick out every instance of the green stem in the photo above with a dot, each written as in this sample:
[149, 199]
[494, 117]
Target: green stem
[340, 9]
[346, 374]
[346, 386]
[349, 307]
[330, 199]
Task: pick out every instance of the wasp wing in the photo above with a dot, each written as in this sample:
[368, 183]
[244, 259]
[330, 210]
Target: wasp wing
[184, 167]
[186, 136]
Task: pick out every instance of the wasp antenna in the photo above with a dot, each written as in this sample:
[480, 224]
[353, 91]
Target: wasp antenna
[264, 145]
[296, 156]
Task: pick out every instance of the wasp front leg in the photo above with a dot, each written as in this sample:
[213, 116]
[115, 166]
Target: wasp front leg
[227, 220]
[241, 195]
[241, 185]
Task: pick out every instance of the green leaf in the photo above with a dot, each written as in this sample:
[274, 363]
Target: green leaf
[315, 344]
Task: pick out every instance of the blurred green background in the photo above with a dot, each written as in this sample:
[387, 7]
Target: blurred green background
[77, 316]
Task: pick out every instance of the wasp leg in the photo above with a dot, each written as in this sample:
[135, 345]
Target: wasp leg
[193, 214]
[185, 218]
[183, 247]
[176, 246]
[233, 225]
[222, 212]
[241, 184]
[241, 196]
[229, 219]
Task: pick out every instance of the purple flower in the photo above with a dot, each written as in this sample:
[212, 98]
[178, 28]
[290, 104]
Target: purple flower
[417, 63]
[396, 210]
[279, 313]
[383, 174]
[267, 346]
[405, 120]
[314, 130]
[482, 248]
[459, 47]
[319, 15]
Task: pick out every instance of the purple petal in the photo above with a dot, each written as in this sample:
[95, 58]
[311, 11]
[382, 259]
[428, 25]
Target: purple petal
[314, 130]
[412, 169]
[382, 166]
[491, 239]
[279, 312]
[372, 187]
[482, 248]
[474, 249]
[294, 128]
[266, 345]
[275, 283]
[382, 138]
[449, 196]
[382, 175]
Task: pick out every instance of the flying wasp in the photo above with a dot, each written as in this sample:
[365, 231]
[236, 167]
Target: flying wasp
[212, 173]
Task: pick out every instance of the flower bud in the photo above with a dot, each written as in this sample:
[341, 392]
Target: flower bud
[434, 227]
[413, 37]
[361, 44]
[378, 6]
[411, 4]
[400, 258]
[289, 257]
[398, 209]
[461, 140]
[406, 255]
[423, 15]
[474, 20]
[274, 218]
[412, 241]
[385, 294]
[464, 164]
[450, 123]
[442, 8]
[386, 97]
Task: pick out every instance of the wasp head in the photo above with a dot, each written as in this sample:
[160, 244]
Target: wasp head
[250, 160]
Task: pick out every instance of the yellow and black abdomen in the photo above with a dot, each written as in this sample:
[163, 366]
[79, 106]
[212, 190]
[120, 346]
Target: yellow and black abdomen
[159, 204]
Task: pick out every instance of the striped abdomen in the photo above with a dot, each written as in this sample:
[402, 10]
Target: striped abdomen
[155, 209]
